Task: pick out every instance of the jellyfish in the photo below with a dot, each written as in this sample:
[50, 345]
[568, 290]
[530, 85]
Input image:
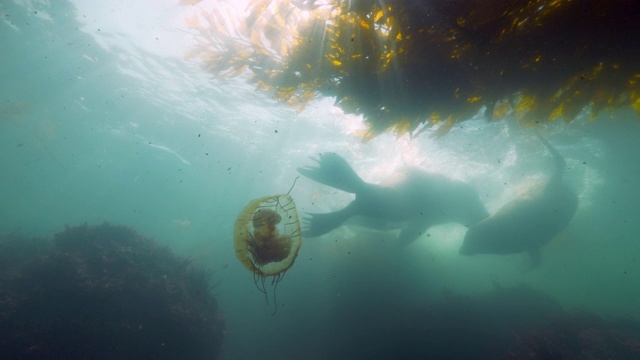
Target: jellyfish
[267, 239]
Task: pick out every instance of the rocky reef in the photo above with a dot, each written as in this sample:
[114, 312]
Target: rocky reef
[103, 292]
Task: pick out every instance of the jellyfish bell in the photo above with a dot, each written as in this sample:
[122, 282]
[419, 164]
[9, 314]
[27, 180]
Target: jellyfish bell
[267, 235]
[267, 244]
[267, 238]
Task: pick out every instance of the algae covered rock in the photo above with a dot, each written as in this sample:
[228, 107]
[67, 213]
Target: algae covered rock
[104, 292]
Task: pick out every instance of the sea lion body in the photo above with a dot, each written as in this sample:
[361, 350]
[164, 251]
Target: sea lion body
[412, 198]
[528, 223]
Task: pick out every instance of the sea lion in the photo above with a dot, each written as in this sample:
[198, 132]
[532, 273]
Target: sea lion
[527, 223]
[414, 199]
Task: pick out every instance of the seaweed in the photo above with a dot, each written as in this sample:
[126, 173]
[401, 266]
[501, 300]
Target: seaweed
[410, 65]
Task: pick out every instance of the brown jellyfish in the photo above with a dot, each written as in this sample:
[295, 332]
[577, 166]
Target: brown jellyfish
[267, 238]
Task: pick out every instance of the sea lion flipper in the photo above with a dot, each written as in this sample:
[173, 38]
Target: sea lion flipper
[558, 160]
[334, 171]
[412, 230]
[320, 224]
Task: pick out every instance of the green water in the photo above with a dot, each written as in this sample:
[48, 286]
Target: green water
[94, 131]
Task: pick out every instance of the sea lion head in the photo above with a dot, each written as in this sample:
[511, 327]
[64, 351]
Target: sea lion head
[490, 236]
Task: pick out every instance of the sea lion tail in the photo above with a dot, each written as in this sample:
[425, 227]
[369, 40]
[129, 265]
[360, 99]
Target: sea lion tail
[334, 171]
[557, 158]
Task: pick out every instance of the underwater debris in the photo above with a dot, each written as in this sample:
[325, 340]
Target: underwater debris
[104, 292]
[403, 63]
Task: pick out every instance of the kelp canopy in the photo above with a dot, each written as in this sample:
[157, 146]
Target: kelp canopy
[402, 63]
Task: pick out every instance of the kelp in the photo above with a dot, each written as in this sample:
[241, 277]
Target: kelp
[404, 63]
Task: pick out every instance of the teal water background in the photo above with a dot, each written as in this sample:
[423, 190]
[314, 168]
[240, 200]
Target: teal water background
[105, 122]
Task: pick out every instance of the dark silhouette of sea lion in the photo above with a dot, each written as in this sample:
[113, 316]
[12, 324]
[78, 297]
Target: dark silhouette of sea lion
[527, 223]
[414, 199]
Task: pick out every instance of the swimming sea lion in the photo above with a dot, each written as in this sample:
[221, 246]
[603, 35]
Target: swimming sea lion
[528, 223]
[414, 198]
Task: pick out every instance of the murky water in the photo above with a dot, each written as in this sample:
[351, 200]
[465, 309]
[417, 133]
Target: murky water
[101, 119]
